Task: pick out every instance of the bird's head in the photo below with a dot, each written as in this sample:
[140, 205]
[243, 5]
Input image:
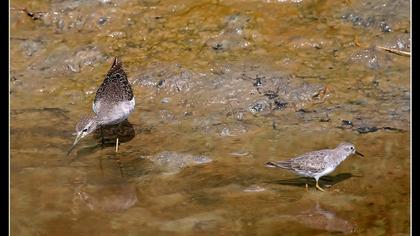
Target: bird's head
[85, 126]
[349, 149]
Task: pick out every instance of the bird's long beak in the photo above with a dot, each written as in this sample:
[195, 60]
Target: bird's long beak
[78, 137]
[360, 154]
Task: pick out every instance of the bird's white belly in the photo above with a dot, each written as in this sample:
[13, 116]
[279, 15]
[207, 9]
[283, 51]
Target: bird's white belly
[117, 113]
[326, 171]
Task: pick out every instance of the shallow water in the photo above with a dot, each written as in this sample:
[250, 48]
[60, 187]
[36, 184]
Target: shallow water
[221, 88]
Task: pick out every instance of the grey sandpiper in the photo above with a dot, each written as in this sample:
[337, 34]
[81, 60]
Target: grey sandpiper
[114, 101]
[316, 164]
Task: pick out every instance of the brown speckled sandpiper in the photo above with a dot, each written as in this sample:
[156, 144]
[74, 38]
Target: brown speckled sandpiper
[114, 101]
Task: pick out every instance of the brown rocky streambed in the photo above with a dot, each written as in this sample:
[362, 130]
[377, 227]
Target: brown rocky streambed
[221, 88]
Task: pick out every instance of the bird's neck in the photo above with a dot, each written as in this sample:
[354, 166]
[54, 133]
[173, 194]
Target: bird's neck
[341, 157]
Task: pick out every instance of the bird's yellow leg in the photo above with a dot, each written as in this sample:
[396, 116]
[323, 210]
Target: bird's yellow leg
[306, 186]
[317, 186]
[118, 159]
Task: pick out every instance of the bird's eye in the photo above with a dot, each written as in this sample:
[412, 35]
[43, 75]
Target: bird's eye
[85, 130]
[351, 148]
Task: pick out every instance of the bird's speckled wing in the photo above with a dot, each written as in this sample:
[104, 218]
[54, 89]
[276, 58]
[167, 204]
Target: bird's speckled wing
[311, 162]
[115, 85]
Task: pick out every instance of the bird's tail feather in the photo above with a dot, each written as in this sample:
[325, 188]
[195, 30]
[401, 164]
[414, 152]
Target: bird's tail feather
[271, 164]
[277, 164]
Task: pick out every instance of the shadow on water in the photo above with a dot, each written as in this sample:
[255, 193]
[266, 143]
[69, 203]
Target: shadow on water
[326, 181]
[106, 136]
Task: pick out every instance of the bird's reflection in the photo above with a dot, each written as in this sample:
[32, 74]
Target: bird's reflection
[108, 134]
[319, 218]
[327, 181]
[107, 194]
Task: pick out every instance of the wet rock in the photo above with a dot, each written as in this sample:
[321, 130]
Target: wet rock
[305, 92]
[399, 42]
[232, 131]
[102, 20]
[65, 60]
[402, 43]
[240, 153]
[383, 15]
[363, 130]
[373, 120]
[180, 82]
[310, 115]
[238, 115]
[367, 22]
[303, 42]
[366, 57]
[66, 5]
[173, 162]
[325, 118]
[255, 90]
[66, 16]
[237, 92]
[105, 1]
[384, 27]
[232, 36]
[53, 63]
[259, 106]
[61, 21]
[279, 104]
[391, 128]
[84, 57]
[168, 78]
[165, 100]
[346, 124]
[117, 34]
[257, 82]
[30, 47]
[282, 90]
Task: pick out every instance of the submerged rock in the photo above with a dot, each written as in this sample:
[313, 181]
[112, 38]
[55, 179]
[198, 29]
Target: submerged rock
[367, 57]
[234, 92]
[84, 57]
[173, 162]
[284, 90]
[233, 35]
[381, 14]
[66, 60]
[30, 47]
[369, 21]
[251, 89]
